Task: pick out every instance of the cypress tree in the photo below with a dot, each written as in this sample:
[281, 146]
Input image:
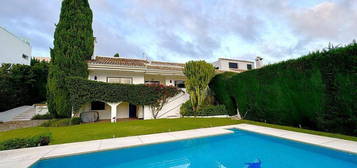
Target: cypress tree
[73, 44]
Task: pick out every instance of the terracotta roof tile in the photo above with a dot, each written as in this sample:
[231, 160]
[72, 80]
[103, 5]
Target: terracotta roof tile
[167, 63]
[118, 61]
[164, 68]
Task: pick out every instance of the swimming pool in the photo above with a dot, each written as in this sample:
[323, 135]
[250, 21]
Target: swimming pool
[242, 149]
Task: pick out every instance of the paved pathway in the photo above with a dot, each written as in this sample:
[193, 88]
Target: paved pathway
[18, 114]
[11, 125]
[20, 158]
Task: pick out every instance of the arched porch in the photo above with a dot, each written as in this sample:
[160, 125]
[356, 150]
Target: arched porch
[114, 111]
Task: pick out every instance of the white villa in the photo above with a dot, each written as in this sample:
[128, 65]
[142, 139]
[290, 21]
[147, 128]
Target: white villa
[139, 71]
[13, 49]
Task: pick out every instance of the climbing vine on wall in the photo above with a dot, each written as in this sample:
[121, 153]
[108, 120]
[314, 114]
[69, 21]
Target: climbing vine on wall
[84, 91]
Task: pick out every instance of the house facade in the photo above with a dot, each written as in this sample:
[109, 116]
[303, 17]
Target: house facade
[14, 50]
[139, 71]
[135, 71]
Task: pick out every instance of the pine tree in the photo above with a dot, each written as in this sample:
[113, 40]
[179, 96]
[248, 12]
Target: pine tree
[73, 44]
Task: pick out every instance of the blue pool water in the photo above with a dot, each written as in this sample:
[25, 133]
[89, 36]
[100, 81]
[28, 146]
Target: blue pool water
[239, 150]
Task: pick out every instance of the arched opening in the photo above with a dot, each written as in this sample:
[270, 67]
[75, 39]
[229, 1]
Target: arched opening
[102, 108]
[133, 111]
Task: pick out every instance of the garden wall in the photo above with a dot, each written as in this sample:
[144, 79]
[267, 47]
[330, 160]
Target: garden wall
[317, 91]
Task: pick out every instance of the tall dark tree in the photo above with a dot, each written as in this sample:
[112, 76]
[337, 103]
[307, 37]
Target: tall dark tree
[73, 44]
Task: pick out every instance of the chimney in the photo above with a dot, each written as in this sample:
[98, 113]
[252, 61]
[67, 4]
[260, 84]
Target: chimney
[258, 62]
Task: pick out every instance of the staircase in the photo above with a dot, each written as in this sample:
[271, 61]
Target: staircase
[27, 115]
[172, 107]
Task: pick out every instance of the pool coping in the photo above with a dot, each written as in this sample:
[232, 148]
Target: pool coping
[26, 157]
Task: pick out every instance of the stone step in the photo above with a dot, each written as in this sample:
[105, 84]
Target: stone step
[27, 115]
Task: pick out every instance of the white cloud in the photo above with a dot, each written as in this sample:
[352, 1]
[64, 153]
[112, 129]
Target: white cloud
[178, 30]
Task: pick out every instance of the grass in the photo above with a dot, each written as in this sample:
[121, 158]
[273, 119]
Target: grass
[102, 130]
[85, 132]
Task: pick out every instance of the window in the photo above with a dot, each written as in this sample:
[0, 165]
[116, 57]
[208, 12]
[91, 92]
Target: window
[122, 80]
[233, 65]
[25, 56]
[97, 105]
[152, 82]
[180, 83]
[249, 66]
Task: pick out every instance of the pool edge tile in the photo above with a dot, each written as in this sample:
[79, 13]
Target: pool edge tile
[60, 150]
[327, 142]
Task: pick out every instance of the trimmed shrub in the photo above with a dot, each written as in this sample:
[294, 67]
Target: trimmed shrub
[62, 122]
[42, 117]
[76, 121]
[39, 140]
[208, 110]
[316, 91]
[212, 110]
[186, 109]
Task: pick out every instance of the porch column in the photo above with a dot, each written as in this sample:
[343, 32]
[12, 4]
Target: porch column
[113, 111]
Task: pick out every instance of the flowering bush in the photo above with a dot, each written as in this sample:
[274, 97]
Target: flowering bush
[164, 93]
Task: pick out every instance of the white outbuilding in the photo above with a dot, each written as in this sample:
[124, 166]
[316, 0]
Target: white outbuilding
[13, 49]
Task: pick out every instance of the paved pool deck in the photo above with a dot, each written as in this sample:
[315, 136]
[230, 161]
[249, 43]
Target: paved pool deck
[20, 158]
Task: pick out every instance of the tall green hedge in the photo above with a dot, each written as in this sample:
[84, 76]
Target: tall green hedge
[317, 91]
[85, 91]
[22, 84]
[73, 44]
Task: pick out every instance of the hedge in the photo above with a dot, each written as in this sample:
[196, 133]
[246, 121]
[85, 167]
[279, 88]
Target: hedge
[85, 91]
[207, 110]
[16, 143]
[22, 84]
[317, 91]
[42, 117]
[62, 122]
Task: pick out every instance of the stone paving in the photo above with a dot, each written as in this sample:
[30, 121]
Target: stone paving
[20, 158]
[10, 115]
[6, 126]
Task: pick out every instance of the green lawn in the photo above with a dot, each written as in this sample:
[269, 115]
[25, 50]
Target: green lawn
[85, 132]
[104, 130]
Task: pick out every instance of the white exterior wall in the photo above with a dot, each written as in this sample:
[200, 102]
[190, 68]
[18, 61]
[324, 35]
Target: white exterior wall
[41, 109]
[137, 77]
[224, 64]
[147, 113]
[217, 64]
[259, 62]
[103, 114]
[171, 109]
[169, 82]
[155, 78]
[123, 110]
[12, 48]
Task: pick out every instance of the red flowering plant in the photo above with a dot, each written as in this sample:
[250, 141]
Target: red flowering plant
[164, 93]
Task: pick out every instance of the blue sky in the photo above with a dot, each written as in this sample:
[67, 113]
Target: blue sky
[182, 30]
